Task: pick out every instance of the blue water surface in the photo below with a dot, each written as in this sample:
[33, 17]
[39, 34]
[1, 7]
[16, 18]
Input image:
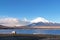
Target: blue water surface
[31, 31]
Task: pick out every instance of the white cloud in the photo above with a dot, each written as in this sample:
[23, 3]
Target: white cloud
[25, 19]
[12, 22]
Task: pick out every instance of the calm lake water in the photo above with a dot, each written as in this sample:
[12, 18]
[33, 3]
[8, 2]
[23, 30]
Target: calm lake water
[30, 31]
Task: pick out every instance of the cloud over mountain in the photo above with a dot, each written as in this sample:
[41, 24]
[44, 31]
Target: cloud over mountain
[12, 22]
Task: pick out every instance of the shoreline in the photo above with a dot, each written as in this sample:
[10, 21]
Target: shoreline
[34, 27]
[39, 35]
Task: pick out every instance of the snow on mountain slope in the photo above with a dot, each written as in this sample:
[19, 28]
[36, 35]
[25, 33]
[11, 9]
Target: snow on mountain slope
[39, 19]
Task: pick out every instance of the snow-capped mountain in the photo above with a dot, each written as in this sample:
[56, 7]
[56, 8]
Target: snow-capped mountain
[39, 19]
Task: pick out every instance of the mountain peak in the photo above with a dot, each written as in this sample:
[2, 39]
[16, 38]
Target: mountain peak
[39, 19]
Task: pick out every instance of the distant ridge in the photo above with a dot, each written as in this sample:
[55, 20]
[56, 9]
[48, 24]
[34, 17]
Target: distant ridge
[44, 24]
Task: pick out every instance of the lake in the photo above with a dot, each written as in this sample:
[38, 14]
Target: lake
[31, 31]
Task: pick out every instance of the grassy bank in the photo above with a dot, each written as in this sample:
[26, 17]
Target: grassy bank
[38, 35]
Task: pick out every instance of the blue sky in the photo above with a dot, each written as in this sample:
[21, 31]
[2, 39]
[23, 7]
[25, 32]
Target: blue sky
[49, 9]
